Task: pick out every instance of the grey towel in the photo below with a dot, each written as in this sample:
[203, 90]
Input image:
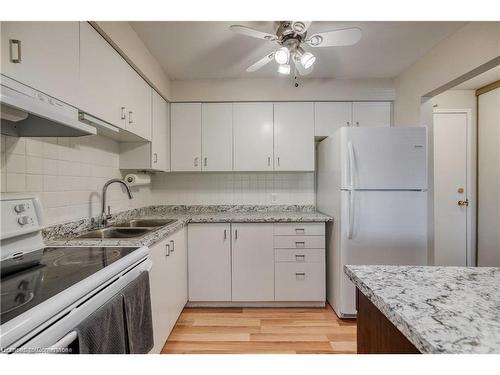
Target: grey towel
[138, 318]
[103, 332]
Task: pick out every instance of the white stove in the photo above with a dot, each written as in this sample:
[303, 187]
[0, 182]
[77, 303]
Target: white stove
[47, 291]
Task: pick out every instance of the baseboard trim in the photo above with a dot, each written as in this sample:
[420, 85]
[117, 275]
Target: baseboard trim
[257, 304]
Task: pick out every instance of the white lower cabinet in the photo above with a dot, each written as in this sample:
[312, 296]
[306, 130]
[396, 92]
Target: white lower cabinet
[252, 262]
[256, 262]
[168, 284]
[209, 262]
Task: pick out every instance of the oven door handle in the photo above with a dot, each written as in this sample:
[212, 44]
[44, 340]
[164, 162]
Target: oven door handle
[65, 341]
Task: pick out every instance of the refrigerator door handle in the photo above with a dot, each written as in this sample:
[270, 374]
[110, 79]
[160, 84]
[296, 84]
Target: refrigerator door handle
[350, 149]
[350, 225]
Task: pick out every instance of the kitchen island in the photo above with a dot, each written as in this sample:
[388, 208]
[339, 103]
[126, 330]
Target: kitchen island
[410, 309]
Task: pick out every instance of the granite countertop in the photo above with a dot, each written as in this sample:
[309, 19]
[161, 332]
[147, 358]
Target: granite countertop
[438, 309]
[64, 234]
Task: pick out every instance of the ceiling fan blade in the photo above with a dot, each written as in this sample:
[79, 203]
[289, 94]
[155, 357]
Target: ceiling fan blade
[335, 38]
[300, 26]
[252, 32]
[259, 64]
[303, 71]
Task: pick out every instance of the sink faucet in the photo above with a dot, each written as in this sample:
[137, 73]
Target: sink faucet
[105, 217]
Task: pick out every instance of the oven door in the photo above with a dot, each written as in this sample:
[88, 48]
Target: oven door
[60, 336]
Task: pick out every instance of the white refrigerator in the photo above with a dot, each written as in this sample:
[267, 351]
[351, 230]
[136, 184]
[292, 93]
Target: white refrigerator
[373, 182]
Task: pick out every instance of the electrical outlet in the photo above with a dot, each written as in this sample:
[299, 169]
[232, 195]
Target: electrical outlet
[274, 197]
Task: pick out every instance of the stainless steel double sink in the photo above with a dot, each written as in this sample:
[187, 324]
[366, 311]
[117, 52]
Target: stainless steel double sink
[130, 229]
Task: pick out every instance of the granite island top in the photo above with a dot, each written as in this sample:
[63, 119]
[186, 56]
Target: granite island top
[64, 234]
[438, 309]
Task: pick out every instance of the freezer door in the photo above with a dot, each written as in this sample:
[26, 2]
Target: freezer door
[384, 158]
[381, 227]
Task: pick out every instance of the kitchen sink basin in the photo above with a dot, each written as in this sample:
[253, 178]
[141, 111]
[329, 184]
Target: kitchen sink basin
[145, 223]
[116, 233]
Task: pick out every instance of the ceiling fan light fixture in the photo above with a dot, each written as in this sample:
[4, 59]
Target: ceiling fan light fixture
[284, 69]
[282, 55]
[307, 60]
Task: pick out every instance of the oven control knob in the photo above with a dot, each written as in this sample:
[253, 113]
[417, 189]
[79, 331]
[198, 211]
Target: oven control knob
[20, 208]
[23, 220]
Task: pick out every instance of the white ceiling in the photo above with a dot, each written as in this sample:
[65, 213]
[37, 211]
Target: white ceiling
[480, 80]
[199, 50]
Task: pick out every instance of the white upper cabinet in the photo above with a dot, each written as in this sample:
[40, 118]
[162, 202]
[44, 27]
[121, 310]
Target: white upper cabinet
[217, 136]
[43, 55]
[253, 136]
[329, 116]
[185, 131]
[138, 104]
[371, 114]
[294, 136]
[103, 73]
[160, 140]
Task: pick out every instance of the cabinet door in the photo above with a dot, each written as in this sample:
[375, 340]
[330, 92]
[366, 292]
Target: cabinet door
[329, 116]
[178, 290]
[49, 53]
[294, 136]
[253, 136]
[253, 262]
[217, 136]
[371, 113]
[138, 104]
[158, 279]
[185, 131]
[209, 266]
[103, 72]
[160, 140]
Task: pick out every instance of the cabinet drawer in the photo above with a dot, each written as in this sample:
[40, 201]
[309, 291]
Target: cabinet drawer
[299, 242]
[299, 255]
[299, 229]
[299, 282]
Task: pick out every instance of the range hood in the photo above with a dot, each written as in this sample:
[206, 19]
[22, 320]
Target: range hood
[26, 112]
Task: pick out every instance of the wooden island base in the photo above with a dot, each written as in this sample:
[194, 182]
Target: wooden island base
[376, 334]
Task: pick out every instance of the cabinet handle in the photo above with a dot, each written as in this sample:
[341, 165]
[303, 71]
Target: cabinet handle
[300, 275]
[155, 158]
[300, 243]
[124, 114]
[278, 161]
[225, 233]
[236, 234]
[268, 161]
[348, 123]
[196, 161]
[205, 161]
[15, 51]
[300, 230]
[172, 244]
[167, 250]
[357, 123]
[300, 257]
[130, 119]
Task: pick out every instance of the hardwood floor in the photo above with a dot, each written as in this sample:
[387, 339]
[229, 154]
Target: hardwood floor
[261, 330]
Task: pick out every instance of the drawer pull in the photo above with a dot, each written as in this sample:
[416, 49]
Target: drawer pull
[300, 244]
[167, 250]
[300, 230]
[300, 257]
[300, 275]
[172, 244]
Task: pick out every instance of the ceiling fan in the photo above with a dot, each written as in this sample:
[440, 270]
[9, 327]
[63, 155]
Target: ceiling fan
[291, 36]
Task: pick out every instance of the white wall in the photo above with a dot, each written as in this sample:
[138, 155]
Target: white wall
[470, 47]
[234, 188]
[126, 40]
[489, 179]
[282, 88]
[67, 174]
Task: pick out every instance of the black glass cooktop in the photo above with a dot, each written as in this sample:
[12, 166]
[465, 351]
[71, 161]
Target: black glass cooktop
[58, 269]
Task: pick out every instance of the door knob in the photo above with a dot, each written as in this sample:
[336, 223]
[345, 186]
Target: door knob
[463, 203]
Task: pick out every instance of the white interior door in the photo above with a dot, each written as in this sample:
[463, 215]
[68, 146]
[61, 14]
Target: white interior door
[451, 187]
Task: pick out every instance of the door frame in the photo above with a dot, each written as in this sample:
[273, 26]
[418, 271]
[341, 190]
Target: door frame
[470, 183]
